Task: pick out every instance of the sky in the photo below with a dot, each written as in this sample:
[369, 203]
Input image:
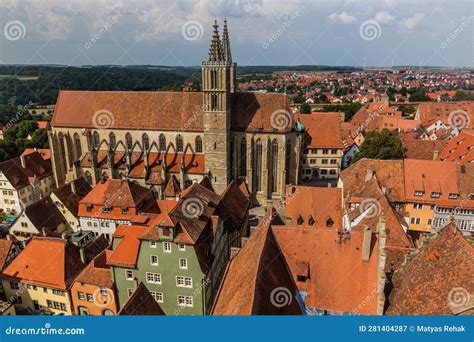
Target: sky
[382, 33]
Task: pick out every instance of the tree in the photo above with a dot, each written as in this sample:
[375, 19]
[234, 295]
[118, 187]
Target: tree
[305, 108]
[26, 127]
[39, 139]
[380, 145]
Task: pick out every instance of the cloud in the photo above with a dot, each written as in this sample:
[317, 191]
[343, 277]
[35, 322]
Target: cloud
[410, 23]
[344, 18]
[383, 17]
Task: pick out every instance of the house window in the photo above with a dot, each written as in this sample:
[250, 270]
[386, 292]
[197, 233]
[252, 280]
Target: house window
[124, 211]
[129, 274]
[130, 292]
[418, 193]
[146, 142]
[167, 247]
[162, 142]
[153, 278]
[154, 260]
[415, 220]
[58, 292]
[80, 295]
[14, 286]
[324, 161]
[90, 297]
[198, 142]
[435, 194]
[185, 301]
[179, 143]
[183, 264]
[153, 244]
[418, 206]
[159, 297]
[182, 247]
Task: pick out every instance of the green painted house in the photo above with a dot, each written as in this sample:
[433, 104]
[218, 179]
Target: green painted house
[181, 255]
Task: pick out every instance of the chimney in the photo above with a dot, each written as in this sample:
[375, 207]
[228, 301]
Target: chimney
[22, 161]
[8, 237]
[82, 255]
[73, 187]
[366, 244]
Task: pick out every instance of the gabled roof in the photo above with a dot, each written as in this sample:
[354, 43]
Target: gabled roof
[44, 152]
[44, 214]
[19, 177]
[48, 262]
[97, 271]
[423, 149]
[172, 188]
[125, 253]
[460, 148]
[141, 303]
[430, 112]
[5, 248]
[338, 278]
[162, 111]
[318, 203]
[323, 130]
[117, 193]
[72, 193]
[390, 174]
[261, 267]
[438, 279]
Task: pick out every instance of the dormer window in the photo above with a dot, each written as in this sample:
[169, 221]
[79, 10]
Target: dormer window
[89, 208]
[453, 196]
[435, 194]
[106, 210]
[124, 211]
[311, 221]
[419, 193]
[329, 222]
[300, 220]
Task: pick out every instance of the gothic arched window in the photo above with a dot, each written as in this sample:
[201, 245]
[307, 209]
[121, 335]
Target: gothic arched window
[62, 151]
[112, 140]
[274, 174]
[162, 142]
[243, 157]
[77, 145]
[96, 139]
[89, 141]
[288, 160]
[179, 143]
[129, 141]
[198, 144]
[146, 142]
[258, 165]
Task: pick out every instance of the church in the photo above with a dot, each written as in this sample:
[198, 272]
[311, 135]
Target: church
[154, 138]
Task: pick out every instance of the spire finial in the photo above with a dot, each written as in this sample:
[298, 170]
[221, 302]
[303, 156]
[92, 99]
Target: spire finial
[226, 43]
[215, 51]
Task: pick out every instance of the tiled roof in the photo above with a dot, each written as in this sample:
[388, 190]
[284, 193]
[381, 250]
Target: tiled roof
[141, 303]
[337, 277]
[261, 267]
[49, 262]
[44, 214]
[437, 280]
[164, 111]
[71, 199]
[44, 152]
[323, 130]
[117, 193]
[5, 247]
[19, 177]
[97, 272]
[125, 253]
[318, 203]
[433, 111]
[390, 174]
[460, 148]
[172, 188]
[423, 149]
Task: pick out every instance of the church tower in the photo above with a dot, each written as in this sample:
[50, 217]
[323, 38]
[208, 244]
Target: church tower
[216, 101]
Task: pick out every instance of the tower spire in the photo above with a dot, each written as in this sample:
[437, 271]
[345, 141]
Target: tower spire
[215, 52]
[226, 44]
